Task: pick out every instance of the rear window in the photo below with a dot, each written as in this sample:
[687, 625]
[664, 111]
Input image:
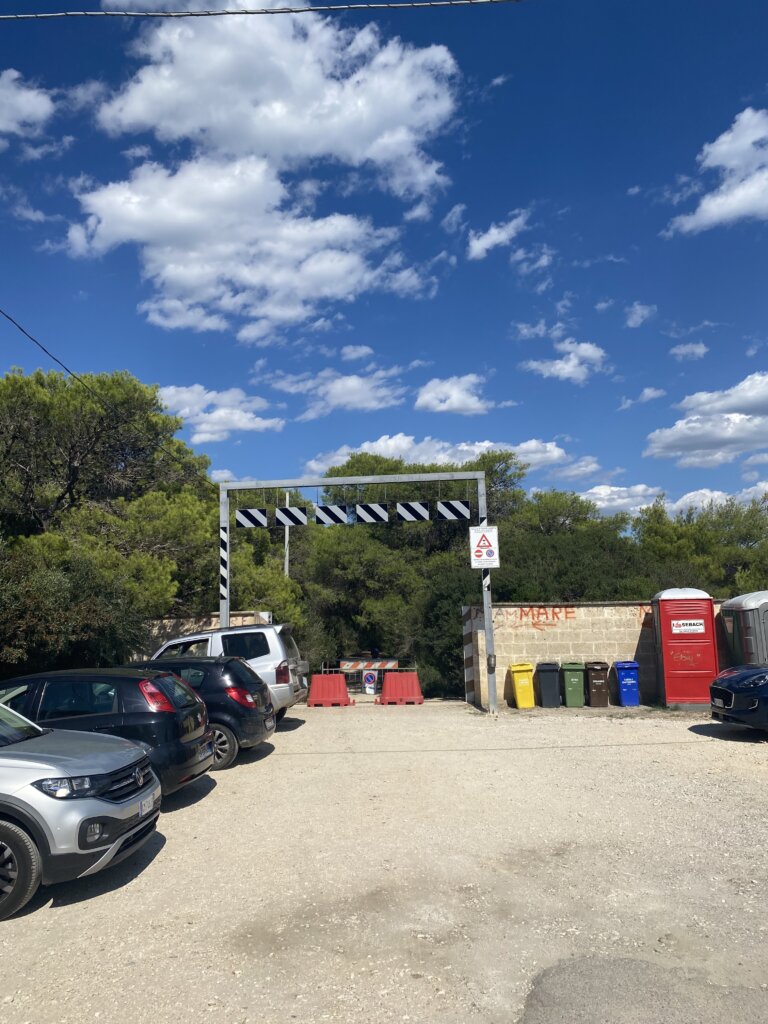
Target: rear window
[186, 649]
[243, 675]
[245, 645]
[194, 677]
[291, 649]
[178, 693]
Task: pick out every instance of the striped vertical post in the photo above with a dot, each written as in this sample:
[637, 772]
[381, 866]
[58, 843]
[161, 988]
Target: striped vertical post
[223, 556]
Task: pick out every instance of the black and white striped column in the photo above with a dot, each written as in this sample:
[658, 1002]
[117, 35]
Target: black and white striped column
[291, 515]
[224, 563]
[331, 515]
[248, 517]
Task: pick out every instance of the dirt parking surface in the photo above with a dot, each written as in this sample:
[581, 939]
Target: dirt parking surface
[429, 864]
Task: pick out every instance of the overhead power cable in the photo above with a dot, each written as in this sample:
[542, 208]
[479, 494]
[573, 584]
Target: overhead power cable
[320, 9]
[84, 383]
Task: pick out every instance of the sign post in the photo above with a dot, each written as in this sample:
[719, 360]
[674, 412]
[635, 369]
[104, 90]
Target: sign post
[484, 555]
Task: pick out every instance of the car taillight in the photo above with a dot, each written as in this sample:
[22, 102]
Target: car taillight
[155, 698]
[283, 674]
[241, 696]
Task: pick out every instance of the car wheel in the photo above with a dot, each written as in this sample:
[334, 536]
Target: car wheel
[280, 714]
[225, 747]
[20, 869]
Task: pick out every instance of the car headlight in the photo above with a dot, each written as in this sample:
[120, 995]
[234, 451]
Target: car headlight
[752, 684]
[66, 788]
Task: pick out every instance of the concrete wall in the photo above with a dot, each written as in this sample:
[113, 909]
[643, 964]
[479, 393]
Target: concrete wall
[548, 632]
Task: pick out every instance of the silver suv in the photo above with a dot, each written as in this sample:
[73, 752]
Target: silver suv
[71, 803]
[271, 652]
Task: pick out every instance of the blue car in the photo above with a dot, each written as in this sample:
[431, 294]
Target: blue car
[740, 696]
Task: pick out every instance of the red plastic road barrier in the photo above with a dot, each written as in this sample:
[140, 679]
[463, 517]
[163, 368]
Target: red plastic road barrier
[329, 691]
[400, 688]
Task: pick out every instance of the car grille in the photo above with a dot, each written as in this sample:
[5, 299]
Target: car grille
[128, 781]
[718, 693]
[139, 835]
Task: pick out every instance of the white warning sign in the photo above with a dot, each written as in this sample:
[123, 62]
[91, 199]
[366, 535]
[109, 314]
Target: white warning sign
[484, 547]
[687, 625]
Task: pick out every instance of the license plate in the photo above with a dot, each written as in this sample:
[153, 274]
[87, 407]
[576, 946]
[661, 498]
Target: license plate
[146, 806]
[270, 722]
[718, 702]
[204, 751]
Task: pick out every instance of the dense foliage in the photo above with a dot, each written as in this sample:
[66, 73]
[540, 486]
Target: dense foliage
[107, 522]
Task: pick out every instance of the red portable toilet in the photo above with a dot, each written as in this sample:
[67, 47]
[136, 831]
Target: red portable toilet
[686, 645]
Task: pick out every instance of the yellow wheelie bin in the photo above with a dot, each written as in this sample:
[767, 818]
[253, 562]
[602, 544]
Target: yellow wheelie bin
[522, 684]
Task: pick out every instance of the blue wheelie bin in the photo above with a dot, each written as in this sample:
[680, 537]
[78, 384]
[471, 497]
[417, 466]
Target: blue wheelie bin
[629, 685]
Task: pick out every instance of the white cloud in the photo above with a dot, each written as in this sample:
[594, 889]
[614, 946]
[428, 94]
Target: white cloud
[611, 499]
[420, 211]
[214, 415]
[221, 475]
[536, 261]
[646, 395]
[330, 390]
[453, 221]
[757, 460]
[351, 352]
[46, 149]
[454, 394]
[637, 314]
[431, 450]
[740, 157]
[587, 465]
[292, 89]
[690, 350]
[593, 261]
[219, 243]
[226, 236]
[541, 329]
[481, 242]
[749, 396]
[24, 109]
[579, 361]
[718, 425]
[675, 331]
[603, 304]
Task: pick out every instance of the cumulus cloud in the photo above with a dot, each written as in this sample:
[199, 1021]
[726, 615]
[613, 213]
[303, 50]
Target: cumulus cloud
[454, 394]
[24, 109]
[228, 232]
[579, 360]
[330, 390]
[215, 415]
[646, 395]
[349, 353]
[718, 425]
[611, 499]
[740, 158]
[587, 465]
[540, 329]
[603, 304]
[481, 242]
[536, 453]
[690, 350]
[638, 313]
[219, 242]
[453, 221]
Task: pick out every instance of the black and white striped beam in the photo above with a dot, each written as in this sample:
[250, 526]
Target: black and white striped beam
[453, 510]
[412, 511]
[224, 562]
[375, 512]
[291, 516]
[248, 517]
[331, 515]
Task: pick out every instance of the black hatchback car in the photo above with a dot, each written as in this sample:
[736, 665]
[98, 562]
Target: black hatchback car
[238, 701]
[740, 696]
[150, 707]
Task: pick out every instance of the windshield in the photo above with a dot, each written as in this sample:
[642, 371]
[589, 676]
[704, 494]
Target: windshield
[14, 728]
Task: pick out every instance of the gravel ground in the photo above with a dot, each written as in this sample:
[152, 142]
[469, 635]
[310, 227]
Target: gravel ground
[429, 864]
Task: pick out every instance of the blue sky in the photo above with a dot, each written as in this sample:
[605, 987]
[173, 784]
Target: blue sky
[539, 226]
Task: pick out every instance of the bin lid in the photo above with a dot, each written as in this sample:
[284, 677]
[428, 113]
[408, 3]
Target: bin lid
[552, 665]
[680, 594]
[600, 666]
[626, 664]
[521, 666]
[573, 665]
[747, 601]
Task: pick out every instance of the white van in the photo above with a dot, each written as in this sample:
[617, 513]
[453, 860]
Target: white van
[271, 651]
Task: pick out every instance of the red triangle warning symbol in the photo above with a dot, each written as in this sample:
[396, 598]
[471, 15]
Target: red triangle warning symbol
[483, 542]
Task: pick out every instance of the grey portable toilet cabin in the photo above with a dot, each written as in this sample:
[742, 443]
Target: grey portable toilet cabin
[745, 619]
